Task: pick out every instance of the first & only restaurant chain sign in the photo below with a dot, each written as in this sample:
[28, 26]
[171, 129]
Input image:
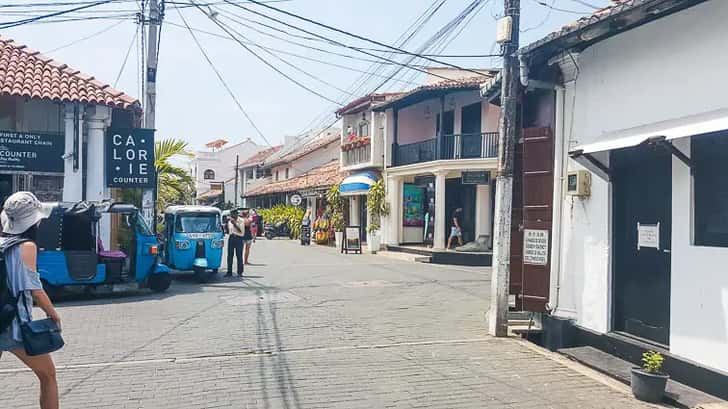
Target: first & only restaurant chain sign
[31, 152]
[130, 158]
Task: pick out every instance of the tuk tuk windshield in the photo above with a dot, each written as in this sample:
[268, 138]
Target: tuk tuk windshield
[197, 223]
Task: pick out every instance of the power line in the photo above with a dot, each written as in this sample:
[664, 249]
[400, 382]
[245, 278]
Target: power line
[126, 57]
[9, 24]
[359, 37]
[276, 50]
[264, 61]
[340, 43]
[584, 3]
[222, 80]
[98, 33]
[539, 2]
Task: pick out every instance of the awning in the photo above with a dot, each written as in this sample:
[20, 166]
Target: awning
[358, 183]
[676, 128]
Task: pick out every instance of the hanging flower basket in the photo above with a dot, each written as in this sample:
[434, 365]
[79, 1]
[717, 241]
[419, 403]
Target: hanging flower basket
[356, 142]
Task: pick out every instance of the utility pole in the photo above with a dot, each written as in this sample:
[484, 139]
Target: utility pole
[508, 133]
[237, 175]
[155, 20]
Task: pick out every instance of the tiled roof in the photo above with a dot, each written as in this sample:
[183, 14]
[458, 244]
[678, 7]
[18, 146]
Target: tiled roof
[315, 144]
[617, 9]
[261, 156]
[471, 83]
[365, 101]
[321, 177]
[28, 73]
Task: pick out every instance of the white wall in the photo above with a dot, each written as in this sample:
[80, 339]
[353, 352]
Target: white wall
[314, 159]
[667, 69]
[222, 162]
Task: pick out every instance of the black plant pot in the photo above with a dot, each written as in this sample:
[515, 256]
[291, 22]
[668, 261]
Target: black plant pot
[648, 387]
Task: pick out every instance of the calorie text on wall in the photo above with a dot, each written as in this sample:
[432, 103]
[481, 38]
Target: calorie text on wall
[130, 158]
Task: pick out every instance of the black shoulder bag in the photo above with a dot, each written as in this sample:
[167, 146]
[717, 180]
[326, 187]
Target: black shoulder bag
[41, 336]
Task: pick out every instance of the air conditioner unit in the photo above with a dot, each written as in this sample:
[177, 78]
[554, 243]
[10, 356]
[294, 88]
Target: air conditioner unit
[578, 183]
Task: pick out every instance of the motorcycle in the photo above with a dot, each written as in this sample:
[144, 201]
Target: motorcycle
[279, 229]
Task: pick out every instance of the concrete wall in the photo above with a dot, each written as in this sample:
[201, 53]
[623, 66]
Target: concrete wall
[222, 162]
[304, 164]
[640, 77]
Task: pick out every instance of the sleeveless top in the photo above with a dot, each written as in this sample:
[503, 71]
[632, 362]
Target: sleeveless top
[20, 278]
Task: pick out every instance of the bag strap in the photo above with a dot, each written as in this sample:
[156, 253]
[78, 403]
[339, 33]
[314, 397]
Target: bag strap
[4, 248]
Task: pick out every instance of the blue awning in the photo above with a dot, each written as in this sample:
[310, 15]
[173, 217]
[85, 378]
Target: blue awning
[358, 183]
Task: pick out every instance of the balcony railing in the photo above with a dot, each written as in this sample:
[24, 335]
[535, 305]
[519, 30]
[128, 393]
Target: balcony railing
[355, 156]
[447, 147]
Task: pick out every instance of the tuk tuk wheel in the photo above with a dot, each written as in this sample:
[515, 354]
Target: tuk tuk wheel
[160, 282]
[269, 236]
[201, 275]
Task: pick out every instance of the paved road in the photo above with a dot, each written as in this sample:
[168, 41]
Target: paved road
[308, 328]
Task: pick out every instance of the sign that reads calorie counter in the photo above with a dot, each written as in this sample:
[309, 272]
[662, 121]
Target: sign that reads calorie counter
[130, 158]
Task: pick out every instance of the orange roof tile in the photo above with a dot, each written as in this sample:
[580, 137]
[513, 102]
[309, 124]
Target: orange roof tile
[261, 156]
[317, 143]
[28, 73]
[321, 177]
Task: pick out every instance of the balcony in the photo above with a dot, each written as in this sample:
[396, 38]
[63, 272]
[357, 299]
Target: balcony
[464, 146]
[357, 156]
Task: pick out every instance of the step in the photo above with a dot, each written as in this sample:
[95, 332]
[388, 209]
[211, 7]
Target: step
[423, 259]
[677, 394]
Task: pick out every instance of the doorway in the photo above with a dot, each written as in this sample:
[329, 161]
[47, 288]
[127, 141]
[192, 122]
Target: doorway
[363, 217]
[471, 143]
[463, 196]
[642, 223]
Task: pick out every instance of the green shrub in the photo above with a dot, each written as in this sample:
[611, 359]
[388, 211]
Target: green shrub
[652, 362]
[377, 205]
[291, 214]
[336, 206]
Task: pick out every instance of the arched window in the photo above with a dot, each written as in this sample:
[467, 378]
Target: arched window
[209, 174]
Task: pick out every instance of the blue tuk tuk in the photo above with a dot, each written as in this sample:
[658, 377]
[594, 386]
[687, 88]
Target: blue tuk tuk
[193, 239]
[72, 254]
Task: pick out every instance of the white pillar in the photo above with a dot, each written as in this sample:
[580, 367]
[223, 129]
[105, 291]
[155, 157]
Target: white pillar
[354, 210]
[72, 179]
[440, 217]
[244, 187]
[394, 219]
[482, 211]
[97, 119]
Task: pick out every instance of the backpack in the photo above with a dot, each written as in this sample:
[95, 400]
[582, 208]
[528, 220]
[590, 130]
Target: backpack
[8, 302]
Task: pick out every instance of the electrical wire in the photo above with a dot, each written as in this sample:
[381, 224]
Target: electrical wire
[543, 21]
[98, 33]
[126, 57]
[9, 24]
[584, 3]
[339, 43]
[539, 2]
[222, 80]
[350, 34]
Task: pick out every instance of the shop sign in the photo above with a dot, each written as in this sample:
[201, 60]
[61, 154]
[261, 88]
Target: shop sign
[130, 158]
[481, 177]
[648, 235]
[352, 239]
[535, 247]
[296, 199]
[31, 151]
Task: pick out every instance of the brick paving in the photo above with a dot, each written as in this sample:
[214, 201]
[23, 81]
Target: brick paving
[310, 328]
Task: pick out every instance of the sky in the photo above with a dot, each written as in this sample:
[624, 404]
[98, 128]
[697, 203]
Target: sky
[193, 105]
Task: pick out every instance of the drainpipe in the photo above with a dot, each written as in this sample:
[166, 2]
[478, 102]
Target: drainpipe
[560, 166]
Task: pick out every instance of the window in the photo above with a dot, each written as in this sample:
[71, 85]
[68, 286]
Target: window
[364, 128]
[209, 174]
[710, 160]
[249, 174]
[197, 223]
[286, 173]
[276, 176]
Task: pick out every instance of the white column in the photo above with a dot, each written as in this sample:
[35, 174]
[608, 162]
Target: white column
[440, 217]
[394, 219]
[72, 179]
[97, 119]
[354, 210]
[482, 210]
[244, 187]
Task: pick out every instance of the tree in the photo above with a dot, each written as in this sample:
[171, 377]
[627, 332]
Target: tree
[174, 183]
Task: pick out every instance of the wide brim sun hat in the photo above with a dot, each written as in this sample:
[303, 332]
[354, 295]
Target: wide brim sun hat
[21, 211]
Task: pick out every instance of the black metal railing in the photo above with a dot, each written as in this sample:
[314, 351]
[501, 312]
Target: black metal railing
[448, 147]
[361, 154]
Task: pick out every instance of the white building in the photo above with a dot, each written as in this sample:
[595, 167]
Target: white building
[441, 146]
[65, 114]
[212, 169]
[642, 108]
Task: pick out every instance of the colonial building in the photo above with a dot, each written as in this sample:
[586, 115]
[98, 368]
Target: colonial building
[640, 215]
[214, 169]
[53, 125]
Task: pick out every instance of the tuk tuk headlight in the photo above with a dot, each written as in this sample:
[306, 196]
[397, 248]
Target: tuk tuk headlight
[182, 244]
[217, 244]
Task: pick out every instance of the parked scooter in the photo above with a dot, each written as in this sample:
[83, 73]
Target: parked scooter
[279, 229]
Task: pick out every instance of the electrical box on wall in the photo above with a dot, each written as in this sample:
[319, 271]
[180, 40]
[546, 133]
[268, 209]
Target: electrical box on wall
[578, 183]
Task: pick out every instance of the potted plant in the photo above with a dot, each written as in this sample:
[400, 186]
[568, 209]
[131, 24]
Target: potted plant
[336, 205]
[378, 207]
[648, 382]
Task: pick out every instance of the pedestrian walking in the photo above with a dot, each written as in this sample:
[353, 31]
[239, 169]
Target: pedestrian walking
[247, 222]
[456, 231]
[235, 244]
[20, 218]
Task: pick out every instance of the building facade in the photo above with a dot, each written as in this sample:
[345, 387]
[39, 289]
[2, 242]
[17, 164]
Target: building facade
[213, 170]
[640, 237]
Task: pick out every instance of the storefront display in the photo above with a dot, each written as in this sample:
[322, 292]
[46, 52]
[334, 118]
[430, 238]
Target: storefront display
[414, 206]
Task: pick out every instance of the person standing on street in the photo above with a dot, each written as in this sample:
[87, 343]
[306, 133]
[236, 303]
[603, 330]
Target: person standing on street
[247, 221]
[20, 218]
[456, 231]
[235, 244]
